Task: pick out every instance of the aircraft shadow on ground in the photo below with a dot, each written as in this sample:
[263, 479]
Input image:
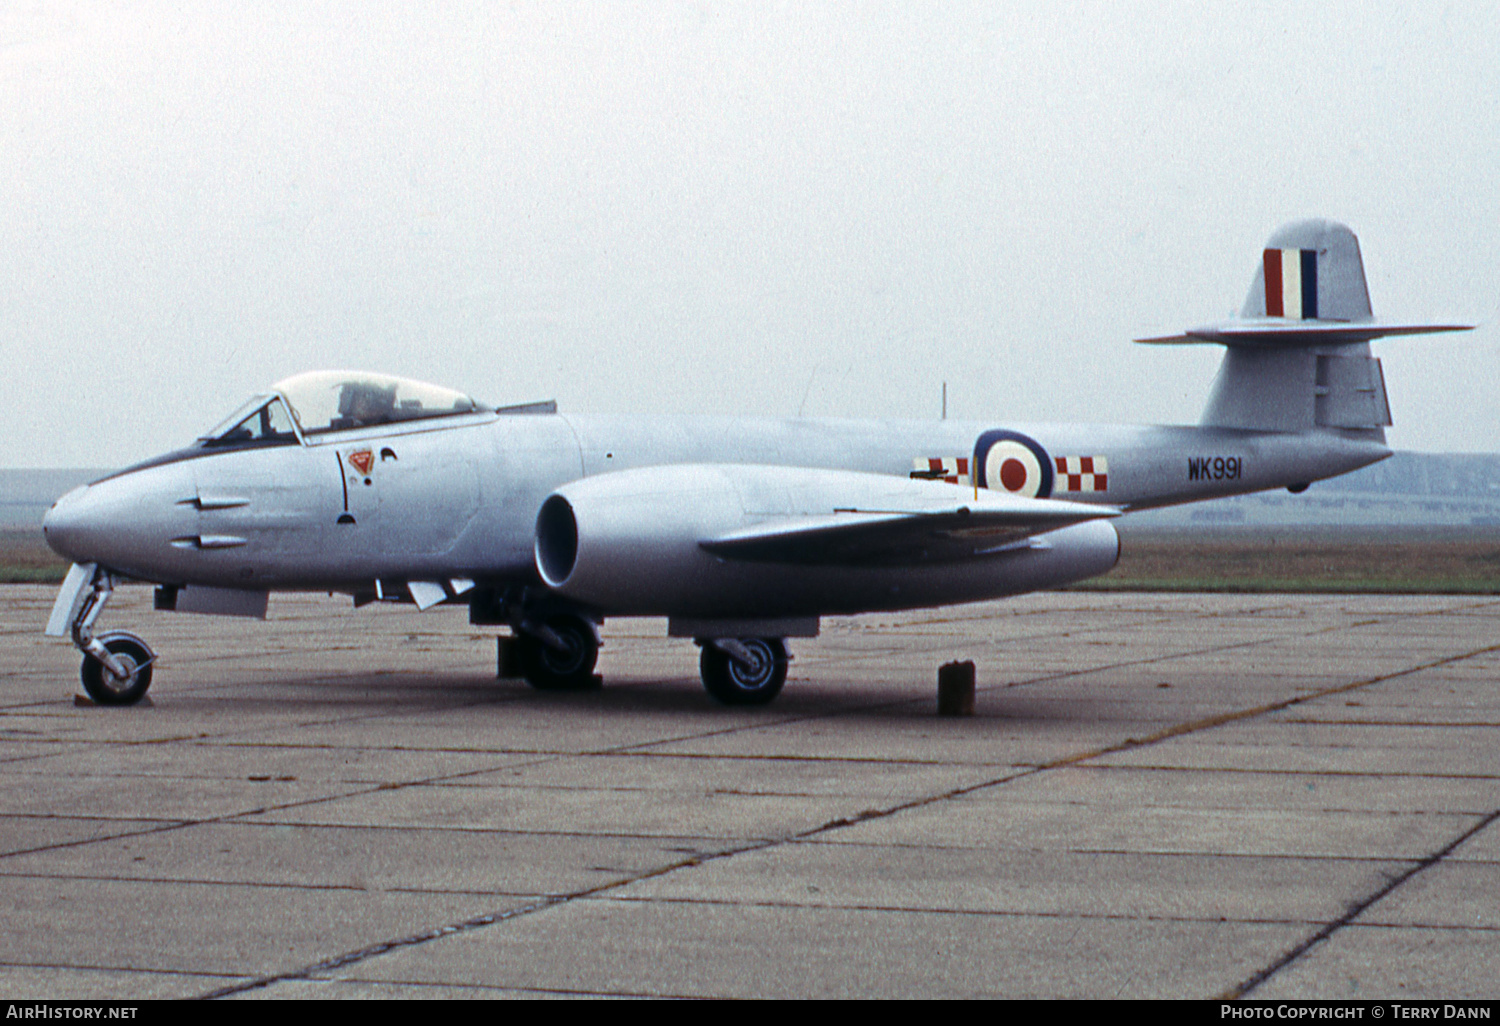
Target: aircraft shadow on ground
[416, 693]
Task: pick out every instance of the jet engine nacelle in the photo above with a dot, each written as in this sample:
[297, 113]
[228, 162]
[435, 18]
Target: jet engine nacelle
[628, 543]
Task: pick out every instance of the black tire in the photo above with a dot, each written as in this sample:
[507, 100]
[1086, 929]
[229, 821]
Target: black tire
[548, 669]
[102, 685]
[732, 684]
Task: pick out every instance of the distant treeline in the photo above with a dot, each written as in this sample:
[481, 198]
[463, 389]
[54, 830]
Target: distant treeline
[1448, 474]
[25, 495]
[1411, 489]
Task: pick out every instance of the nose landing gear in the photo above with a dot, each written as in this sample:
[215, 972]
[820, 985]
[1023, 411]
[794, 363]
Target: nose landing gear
[116, 666]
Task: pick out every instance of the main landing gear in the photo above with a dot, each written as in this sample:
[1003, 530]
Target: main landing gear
[743, 671]
[116, 666]
[558, 653]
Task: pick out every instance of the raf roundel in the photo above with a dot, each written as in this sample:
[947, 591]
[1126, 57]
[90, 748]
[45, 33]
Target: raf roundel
[1007, 461]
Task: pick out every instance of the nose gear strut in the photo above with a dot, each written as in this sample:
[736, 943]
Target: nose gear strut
[116, 666]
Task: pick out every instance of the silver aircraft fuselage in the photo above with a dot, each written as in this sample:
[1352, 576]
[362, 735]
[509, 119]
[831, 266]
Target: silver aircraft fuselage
[459, 497]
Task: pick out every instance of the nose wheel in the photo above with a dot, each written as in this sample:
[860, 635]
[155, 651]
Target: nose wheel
[132, 656]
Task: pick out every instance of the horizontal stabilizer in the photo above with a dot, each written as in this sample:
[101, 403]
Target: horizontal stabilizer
[1308, 290]
[1277, 332]
[854, 536]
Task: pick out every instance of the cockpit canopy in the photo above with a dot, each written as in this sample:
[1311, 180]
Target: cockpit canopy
[341, 400]
[325, 401]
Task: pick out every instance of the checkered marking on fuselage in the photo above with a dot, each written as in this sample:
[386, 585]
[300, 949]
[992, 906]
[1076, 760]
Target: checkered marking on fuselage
[953, 469]
[1081, 474]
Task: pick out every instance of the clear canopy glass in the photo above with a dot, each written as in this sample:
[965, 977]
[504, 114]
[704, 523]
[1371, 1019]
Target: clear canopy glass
[266, 422]
[323, 401]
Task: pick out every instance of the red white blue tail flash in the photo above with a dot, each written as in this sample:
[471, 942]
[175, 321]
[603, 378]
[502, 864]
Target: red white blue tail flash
[1292, 283]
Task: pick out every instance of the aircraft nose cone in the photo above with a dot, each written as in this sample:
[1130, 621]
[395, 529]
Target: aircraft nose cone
[126, 522]
[71, 524]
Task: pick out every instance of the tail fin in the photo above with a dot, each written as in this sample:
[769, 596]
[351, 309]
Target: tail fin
[1310, 271]
[1299, 353]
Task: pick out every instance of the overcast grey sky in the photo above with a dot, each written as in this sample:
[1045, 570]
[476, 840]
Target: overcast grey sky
[744, 208]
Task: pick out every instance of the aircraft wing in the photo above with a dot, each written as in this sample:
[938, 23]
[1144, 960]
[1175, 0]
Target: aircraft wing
[863, 536]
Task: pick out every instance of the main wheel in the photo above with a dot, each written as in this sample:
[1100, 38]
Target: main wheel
[570, 668]
[104, 687]
[754, 682]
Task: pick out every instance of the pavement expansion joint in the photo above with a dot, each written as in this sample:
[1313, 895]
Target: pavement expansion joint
[81, 842]
[1354, 910]
[1300, 773]
[108, 968]
[480, 922]
[1168, 657]
[1411, 724]
[381, 948]
[1070, 915]
[266, 885]
[477, 923]
[855, 760]
[1221, 719]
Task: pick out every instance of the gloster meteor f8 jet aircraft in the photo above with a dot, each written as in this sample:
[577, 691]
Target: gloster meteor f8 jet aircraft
[742, 532]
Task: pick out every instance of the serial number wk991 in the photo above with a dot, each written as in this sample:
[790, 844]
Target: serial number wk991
[1214, 468]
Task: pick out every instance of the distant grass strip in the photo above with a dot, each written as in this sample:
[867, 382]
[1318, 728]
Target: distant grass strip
[1374, 585]
[1317, 560]
[25, 559]
[32, 574]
